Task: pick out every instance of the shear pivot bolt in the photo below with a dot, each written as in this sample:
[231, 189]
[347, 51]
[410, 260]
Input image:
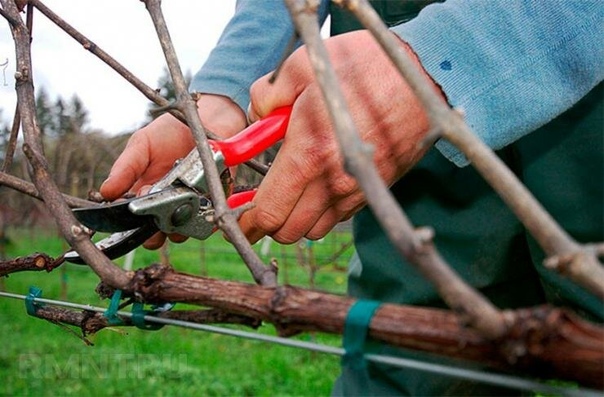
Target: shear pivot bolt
[182, 214]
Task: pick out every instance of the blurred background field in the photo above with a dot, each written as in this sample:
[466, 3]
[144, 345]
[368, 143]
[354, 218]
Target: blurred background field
[42, 359]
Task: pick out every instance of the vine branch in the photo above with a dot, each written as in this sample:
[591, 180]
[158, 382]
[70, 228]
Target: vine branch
[34, 262]
[543, 341]
[92, 322]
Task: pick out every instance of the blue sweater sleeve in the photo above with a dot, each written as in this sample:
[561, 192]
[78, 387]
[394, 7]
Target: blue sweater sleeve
[511, 65]
[250, 46]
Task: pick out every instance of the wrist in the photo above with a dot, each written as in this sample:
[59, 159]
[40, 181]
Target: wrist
[220, 115]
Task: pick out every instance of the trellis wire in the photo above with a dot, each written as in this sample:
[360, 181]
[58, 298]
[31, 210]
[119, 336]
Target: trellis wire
[439, 369]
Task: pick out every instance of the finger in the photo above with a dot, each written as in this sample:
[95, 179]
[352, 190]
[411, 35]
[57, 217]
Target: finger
[322, 205]
[311, 206]
[271, 210]
[294, 76]
[177, 238]
[127, 169]
[277, 196]
[143, 190]
[324, 225]
[330, 218]
[155, 241]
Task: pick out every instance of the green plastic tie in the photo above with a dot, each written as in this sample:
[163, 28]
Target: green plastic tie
[356, 328]
[30, 305]
[138, 318]
[114, 305]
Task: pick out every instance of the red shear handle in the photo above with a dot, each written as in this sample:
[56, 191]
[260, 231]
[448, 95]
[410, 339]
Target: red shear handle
[255, 139]
[238, 199]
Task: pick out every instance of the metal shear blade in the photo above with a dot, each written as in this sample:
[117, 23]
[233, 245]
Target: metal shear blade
[118, 244]
[111, 218]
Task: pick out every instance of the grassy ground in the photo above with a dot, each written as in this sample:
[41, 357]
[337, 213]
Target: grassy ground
[41, 359]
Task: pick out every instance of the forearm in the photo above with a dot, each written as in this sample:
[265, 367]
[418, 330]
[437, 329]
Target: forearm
[251, 46]
[512, 66]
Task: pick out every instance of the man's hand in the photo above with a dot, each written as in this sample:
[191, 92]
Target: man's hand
[307, 192]
[152, 150]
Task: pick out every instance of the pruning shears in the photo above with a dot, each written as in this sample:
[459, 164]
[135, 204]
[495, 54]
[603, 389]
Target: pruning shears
[180, 202]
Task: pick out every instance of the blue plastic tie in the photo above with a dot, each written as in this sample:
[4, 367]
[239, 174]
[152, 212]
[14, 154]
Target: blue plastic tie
[30, 305]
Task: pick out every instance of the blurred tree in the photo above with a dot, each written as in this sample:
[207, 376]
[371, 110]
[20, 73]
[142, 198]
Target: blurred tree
[77, 116]
[45, 113]
[79, 157]
[4, 137]
[60, 117]
[71, 117]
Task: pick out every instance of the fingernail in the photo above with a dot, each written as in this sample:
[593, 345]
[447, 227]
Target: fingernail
[106, 180]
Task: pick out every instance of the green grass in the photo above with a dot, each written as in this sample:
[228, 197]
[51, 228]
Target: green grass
[41, 359]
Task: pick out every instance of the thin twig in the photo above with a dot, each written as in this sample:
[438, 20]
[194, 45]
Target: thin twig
[89, 45]
[152, 94]
[264, 275]
[289, 49]
[14, 132]
[12, 142]
[29, 189]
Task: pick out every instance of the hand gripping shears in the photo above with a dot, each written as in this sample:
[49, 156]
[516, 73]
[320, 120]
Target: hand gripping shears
[180, 202]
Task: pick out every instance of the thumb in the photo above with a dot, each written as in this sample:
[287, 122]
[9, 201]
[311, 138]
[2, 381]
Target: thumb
[267, 95]
[127, 169]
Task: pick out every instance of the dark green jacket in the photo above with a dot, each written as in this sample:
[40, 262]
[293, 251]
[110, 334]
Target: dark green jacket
[561, 163]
